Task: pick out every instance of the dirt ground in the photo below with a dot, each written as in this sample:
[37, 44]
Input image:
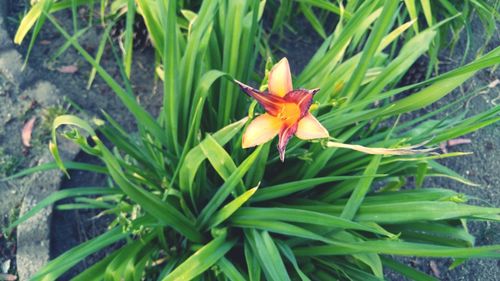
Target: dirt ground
[482, 167]
[32, 93]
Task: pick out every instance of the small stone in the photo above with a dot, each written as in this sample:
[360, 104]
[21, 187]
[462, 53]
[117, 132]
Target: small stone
[5, 266]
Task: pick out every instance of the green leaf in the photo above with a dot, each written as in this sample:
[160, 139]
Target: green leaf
[311, 17]
[437, 170]
[220, 159]
[64, 262]
[421, 173]
[361, 189]
[412, 10]
[199, 98]
[226, 211]
[326, 59]
[256, 173]
[70, 165]
[96, 271]
[399, 248]
[252, 262]
[444, 233]
[59, 195]
[171, 81]
[230, 270]
[288, 253]
[326, 5]
[402, 211]
[100, 52]
[141, 115]
[379, 30]
[29, 20]
[280, 228]
[426, 7]
[414, 211]
[297, 216]
[129, 37]
[201, 260]
[226, 189]
[67, 44]
[285, 189]
[196, 156]
[232, 46]
[265, 249]
[410, 52]
[199, 33]
[150, 202]
[125, 259]
[166, 213]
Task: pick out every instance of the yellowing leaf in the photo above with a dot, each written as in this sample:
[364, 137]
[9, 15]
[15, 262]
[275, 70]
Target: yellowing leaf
[28, 21]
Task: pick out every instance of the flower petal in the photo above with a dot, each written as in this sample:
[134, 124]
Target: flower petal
[271, 103]
[286, 133]
[280, 79]
[261, 130]
[309, 128]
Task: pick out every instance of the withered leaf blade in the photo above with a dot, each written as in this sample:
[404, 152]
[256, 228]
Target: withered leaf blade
[435, 269]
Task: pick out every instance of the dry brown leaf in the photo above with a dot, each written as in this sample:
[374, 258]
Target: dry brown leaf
[434, 268]
[27, 130]
[444, 145]
[454, 142]
[70, 69]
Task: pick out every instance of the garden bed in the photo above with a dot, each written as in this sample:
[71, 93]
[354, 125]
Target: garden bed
[481, 167]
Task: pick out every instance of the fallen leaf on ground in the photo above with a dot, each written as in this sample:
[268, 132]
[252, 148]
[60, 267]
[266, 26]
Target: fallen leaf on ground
[494, 83]
[7, 277]
[434, 269]
[444, 145]
[70, 69]
[27, 130]
[45, 42]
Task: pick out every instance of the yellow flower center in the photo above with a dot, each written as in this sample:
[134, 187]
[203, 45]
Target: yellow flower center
[289, 113]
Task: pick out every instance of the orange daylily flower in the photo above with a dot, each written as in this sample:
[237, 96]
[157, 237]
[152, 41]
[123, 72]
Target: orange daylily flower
[287, 112]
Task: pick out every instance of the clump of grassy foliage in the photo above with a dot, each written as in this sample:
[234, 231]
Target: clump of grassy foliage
[8, 163]
[190, 203]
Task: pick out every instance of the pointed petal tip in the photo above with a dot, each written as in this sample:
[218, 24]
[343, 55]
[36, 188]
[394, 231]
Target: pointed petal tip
[280, 78]
[285, 134]
[282, 151]
[241, 84]
[246, 144]
[282, 157]
[283, 60]
[310, 128]
[314, 91]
